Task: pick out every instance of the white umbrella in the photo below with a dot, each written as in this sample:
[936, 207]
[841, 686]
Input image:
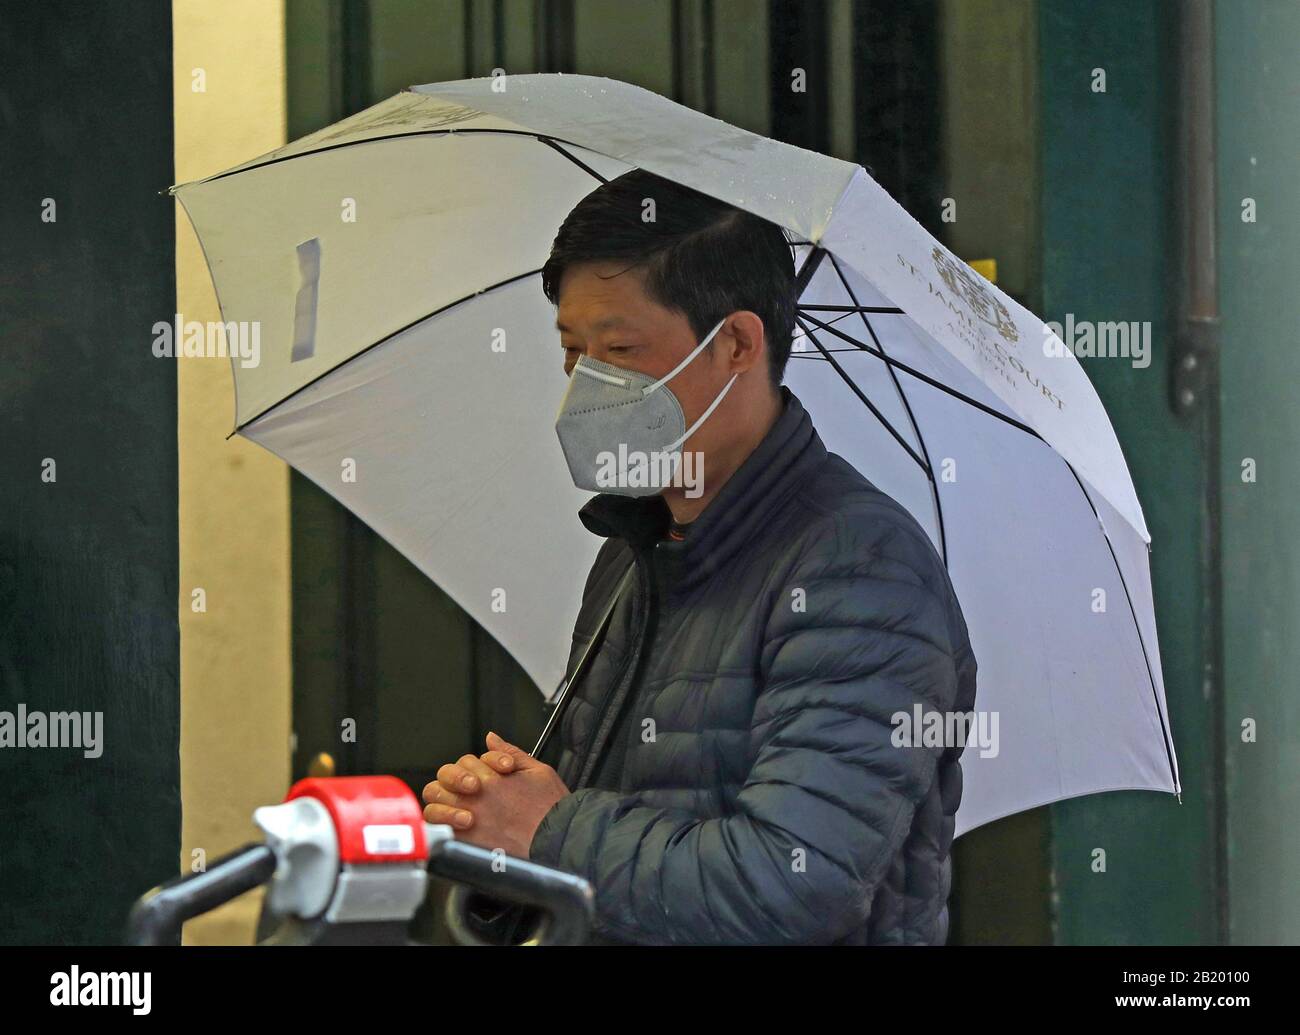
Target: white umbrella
[410, 367]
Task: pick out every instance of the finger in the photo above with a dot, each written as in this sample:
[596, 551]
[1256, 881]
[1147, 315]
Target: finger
[461, 819]
[523, 760]
[472, 765]
[501, 761]
[429, 792]
[457, 779]
[437, 794]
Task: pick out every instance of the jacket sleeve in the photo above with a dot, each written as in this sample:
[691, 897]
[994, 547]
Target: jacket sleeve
[857, 633]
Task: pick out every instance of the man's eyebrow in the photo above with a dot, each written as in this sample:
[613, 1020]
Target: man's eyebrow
[599, 325]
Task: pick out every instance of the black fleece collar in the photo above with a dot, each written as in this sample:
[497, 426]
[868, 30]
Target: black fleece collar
[790, 450]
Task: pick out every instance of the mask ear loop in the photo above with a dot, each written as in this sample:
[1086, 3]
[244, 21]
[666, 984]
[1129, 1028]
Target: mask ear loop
[678, 369]
[712, 406]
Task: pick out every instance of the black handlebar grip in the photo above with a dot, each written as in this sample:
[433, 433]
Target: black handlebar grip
[567, 899]
[158, 914]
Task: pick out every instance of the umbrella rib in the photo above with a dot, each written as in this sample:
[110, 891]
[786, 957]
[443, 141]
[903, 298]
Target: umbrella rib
[916, 428]
[387, 337]
[806, 271]
[1137, 628]
[851, 308]
[550, 142]
[867, 402]
[932, 382]
[842, 316]
[389, 136]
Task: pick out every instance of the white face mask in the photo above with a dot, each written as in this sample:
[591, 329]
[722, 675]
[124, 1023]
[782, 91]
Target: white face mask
[622, 431]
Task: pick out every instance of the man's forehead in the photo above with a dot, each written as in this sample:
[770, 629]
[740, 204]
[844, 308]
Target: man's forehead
[605, 323]
[599, 296]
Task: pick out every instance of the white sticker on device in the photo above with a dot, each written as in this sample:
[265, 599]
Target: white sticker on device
[388, 839]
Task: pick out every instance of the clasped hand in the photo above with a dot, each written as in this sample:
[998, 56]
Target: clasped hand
[496, 799]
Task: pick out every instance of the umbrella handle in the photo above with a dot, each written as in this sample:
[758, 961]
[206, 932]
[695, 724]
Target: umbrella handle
[582, 664]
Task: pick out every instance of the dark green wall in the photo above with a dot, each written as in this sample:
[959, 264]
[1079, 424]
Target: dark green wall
[1109, 253]
[1259, 159]
[88, 563]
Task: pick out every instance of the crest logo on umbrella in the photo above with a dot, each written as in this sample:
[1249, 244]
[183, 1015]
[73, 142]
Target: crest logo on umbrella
[967, 285]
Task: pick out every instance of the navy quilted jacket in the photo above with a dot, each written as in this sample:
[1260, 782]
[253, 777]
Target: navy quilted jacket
[729, 746]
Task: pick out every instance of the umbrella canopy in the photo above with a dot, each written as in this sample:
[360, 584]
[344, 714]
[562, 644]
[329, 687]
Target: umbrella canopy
[409, 365]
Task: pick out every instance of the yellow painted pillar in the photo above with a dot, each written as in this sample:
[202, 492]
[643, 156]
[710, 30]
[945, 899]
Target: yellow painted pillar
[229, 90]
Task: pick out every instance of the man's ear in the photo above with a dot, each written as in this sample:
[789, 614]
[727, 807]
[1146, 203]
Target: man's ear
[744, 335]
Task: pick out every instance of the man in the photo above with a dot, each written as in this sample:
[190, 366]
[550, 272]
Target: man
[728, 769]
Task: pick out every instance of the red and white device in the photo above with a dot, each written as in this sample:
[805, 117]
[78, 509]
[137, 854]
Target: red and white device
[348, 848]
[347, 860]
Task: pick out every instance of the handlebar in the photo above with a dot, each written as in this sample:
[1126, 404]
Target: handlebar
[567, 900]
[158, 914]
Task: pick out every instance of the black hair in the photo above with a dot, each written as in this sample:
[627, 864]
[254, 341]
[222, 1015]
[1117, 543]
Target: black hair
[701, 257]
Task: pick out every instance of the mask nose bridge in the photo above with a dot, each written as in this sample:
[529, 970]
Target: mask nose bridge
[588, 367]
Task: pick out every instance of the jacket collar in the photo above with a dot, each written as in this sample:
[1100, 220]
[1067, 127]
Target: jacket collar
[743, 506]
